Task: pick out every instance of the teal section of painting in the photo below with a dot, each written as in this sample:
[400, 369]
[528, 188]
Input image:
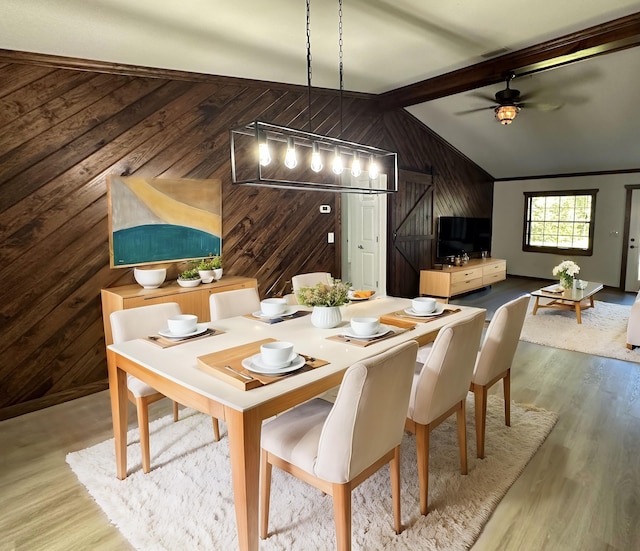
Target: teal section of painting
[162, 242]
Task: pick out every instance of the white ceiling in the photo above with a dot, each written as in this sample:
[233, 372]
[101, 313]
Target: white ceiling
[387, 44]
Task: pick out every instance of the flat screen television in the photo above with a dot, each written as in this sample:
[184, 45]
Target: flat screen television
[460, 234]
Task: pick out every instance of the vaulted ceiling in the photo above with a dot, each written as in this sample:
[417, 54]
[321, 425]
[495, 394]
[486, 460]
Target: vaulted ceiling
[403, 50]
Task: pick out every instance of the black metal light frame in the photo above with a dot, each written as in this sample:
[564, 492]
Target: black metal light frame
[245, 139]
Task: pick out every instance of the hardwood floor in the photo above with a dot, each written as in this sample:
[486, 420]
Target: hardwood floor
[581, 491]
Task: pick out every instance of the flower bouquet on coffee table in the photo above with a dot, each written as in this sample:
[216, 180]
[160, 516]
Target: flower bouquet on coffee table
[566, 272]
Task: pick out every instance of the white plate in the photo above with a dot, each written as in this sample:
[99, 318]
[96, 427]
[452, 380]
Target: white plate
[288, 312]
[383, 330]
[358, 299]
[439, 309]
[255, 364]
[202, 327]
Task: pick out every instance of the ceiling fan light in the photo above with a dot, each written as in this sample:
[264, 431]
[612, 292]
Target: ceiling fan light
[506, 113]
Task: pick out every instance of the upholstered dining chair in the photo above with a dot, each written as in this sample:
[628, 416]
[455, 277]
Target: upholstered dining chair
[494, 361]
[238, 302]
[440, 388]
[335, 447]
[309, 280]
[136, 323]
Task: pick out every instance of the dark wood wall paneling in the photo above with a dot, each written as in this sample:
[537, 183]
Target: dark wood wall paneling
[63, 130]
[460, 188]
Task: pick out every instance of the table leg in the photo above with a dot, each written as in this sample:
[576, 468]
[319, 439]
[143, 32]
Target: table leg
[244, 447]
[535, 306]
[578, 312]
[119, 411]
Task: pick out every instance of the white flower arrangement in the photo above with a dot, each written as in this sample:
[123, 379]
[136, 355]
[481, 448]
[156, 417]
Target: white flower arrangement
[566, 268]
[335, 294]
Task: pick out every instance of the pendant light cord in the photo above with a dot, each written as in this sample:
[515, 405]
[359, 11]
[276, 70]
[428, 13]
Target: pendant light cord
[309, 61]
[341, 68]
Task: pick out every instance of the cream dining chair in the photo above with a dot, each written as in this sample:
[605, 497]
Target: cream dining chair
[237, 302]
[335, 447]
[307, 280]
[310, 280]
[136, 323]
[440, 389]
[494, 361]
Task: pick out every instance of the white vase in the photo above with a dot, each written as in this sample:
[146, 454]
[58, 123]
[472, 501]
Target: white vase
[217, 273]
[326, 317]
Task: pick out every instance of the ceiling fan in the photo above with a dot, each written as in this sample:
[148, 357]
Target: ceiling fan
[509, 103]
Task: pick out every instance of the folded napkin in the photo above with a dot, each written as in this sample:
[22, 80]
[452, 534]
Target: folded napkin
[164, 342]
[394, 318]
[271, 321]
[363, 341]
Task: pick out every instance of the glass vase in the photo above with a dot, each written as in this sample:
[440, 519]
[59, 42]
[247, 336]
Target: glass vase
[566, 282]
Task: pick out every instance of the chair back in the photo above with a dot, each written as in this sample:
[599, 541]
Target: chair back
[445, 377]
[136, 323]
[367, 418]
[229, 304]
[501, 340]
[310, 280]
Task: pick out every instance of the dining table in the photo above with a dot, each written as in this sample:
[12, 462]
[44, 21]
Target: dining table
[176, 372]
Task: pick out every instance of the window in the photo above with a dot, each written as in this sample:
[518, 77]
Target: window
[559, 221]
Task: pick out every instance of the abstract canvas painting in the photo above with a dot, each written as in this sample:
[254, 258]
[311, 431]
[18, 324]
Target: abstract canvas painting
[155, 220]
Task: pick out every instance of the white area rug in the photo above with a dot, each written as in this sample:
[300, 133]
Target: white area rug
[603, 331]
[186, 501]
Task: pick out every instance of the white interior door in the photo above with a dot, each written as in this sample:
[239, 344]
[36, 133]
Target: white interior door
[632, 279]
[364, 256]
[365, 243]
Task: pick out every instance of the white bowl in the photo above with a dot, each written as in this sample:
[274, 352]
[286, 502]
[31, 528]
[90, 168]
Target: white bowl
[423, 305]
[182, 324]
[207, 276]
[189, 282]
[276, 354]
[273, 306]
[365, 326]
[150, 279]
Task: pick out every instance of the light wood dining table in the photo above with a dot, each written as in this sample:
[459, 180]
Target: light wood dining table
[175, 373]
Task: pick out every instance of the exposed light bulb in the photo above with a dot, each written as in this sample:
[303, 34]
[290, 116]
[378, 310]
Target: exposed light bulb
[290, 160]
[356, 169]
[263, 149]
[374, 169]
[338, 167]
[316, 159]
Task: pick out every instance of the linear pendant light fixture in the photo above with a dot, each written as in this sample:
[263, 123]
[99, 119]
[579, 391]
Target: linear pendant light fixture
[269, 155]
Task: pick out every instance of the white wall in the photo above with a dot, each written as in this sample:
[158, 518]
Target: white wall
[603, 266]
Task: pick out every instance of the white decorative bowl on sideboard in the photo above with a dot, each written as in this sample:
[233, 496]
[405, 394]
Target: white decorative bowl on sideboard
[189, 282]
[150, 279]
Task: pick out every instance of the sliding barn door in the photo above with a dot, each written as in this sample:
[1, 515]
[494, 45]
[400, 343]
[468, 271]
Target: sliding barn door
[411, 232]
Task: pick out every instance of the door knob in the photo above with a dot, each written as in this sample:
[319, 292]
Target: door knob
[360, 247]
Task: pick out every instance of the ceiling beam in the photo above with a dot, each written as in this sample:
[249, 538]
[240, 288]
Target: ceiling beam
[613, 36]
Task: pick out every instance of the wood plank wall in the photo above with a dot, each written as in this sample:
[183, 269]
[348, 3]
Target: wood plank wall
[65, 125]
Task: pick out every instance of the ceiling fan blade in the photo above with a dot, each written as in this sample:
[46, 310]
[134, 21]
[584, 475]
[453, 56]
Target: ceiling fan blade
[483, 96]
[475, 110]
[541, 106]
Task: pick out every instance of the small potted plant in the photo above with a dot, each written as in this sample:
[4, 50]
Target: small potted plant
[210, 268]
[325, 301]
[189, 278]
